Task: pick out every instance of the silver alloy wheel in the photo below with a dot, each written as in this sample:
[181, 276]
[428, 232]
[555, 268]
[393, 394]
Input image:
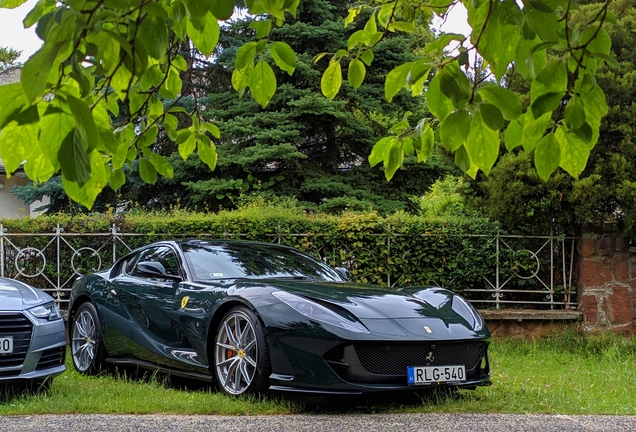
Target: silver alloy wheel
[83, 341]
[236, 353]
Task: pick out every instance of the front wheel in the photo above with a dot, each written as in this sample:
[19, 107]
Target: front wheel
[241, 357]
[87, 347]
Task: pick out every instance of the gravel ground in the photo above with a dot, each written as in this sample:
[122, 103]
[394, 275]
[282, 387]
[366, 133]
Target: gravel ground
[319, 423]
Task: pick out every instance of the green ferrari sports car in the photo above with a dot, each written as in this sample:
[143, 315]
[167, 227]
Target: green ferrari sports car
[255, 317]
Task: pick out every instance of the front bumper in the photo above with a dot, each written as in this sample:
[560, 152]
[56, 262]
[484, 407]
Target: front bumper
[39, 348]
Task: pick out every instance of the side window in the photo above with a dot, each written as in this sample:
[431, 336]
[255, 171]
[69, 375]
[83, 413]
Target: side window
[163, 255]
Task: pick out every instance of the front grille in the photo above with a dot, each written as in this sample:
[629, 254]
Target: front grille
[51, 358]
[18, 326]
[393, 359]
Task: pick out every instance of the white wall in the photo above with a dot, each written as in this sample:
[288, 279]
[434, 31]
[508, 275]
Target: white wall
[10, 205]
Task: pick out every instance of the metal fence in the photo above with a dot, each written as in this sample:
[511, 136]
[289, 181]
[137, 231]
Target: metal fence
[518, 271]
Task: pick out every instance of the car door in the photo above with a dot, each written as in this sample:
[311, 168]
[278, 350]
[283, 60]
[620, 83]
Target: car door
[144, 306]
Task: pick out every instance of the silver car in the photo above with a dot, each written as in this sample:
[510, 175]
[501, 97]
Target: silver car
[32, 336]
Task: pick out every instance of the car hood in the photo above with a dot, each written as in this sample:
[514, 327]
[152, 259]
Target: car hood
[17, 296]
[370, 301]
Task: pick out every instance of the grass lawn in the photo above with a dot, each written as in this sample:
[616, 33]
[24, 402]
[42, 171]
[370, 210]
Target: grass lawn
[565, 374]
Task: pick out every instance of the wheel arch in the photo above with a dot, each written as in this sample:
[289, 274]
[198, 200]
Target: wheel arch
[80, 300]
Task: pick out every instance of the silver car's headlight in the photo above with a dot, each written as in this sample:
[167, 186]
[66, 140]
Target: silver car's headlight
[468, 312]
[318, 312]
[48, 312]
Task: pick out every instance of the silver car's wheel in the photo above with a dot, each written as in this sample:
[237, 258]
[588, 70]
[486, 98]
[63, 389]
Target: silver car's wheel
[86, 345]
[240, 355]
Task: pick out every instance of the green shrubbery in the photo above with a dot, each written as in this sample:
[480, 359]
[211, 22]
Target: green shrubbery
[398, 249]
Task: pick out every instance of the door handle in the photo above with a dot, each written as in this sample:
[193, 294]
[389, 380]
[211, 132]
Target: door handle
[112, 293]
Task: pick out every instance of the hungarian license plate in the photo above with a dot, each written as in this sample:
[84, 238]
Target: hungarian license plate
[417, 375]
[6, 345]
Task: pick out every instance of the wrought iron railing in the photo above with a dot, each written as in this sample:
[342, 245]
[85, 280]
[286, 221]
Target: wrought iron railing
[515, 271]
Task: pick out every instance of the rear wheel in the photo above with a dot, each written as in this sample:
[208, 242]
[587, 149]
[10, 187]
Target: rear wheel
[87, 347]
[241, 357]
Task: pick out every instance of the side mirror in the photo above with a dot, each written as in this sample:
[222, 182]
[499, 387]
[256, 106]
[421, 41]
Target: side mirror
[343, 272]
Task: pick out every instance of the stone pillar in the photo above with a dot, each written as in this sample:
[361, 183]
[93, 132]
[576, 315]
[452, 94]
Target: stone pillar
[607, 277]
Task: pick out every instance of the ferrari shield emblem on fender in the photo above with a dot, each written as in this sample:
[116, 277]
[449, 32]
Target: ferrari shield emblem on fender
[428, 329]
[184, 302]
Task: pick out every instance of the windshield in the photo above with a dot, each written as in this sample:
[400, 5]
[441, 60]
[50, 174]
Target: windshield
[208, 261]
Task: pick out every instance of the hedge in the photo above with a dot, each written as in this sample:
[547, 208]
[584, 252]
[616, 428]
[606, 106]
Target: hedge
[399, 249]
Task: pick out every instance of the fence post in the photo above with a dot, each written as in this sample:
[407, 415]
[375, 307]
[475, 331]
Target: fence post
[497, 273]
[113, 234]
[2, 249]
[388, 257]
[57, 241]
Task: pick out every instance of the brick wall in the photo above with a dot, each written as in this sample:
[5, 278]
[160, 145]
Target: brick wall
[607, 280]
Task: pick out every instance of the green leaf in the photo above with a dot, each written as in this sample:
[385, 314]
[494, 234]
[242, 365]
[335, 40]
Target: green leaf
[245, 54]
[506, 100]
[584, 132]
[74, 159]
[547, 156]
[380, 150]
[11, 4]
[396, 80]
[455, 85]
[284, 56]
[12, 101]
[356, 73]
[528, 61]
[491, 116]
[262, 83]
[241, 78]
[222, 9]
[213, 129]
[153, 33]
[55, 126]
[353, 13]
[438, 104]
[575, 112]
[85, 194]
[438, 45]
[172, 85]
[482, 144]
[86, 130]
[207, 153]
[427, 140]
[36, 71]
[117, 179]
[160, 163]
[514, 134]
[595, 102]
[18, 137]
[552, 79]
[147, 171]
[394, 159]
[534, 129]
[462, 160]
[262, 27]
[454, 130]
[367, 57]
[546, 103]
[574, 152]
[331, 80]
[205, 34]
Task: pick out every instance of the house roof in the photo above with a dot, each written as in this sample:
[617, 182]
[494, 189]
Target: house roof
[10, 75]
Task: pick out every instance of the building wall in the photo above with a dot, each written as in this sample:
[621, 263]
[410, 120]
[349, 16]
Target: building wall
[10, 205]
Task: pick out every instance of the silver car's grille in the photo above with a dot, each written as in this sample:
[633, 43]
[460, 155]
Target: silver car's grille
[51, 358]
[18, 326]
[393, 359]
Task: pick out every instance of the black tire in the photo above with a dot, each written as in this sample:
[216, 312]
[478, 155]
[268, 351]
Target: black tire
[87, 346]
[240, 356]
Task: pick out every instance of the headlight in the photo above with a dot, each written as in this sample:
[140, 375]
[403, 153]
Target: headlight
[48, 311]
[318, 312]
[468, 312]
